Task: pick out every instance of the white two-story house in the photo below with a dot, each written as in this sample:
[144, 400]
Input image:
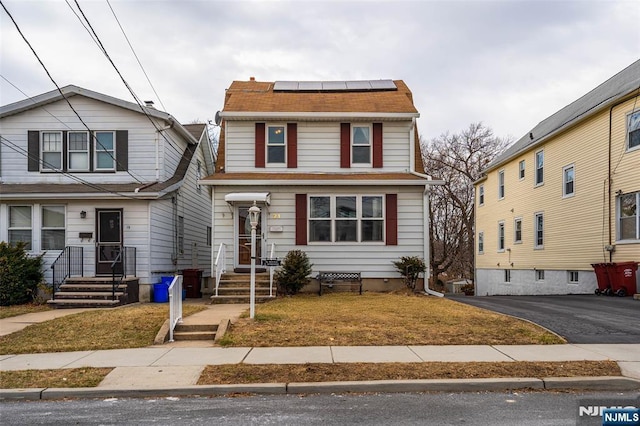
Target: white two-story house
[104, 184]
[335, 168]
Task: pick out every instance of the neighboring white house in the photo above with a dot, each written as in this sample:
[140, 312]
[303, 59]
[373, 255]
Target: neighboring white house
[110, 175]
[336, 170]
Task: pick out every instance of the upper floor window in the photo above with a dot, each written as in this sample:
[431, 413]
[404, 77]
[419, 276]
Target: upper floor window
[20, 225]
[521, 166]
[628, 216]
[481, 195]
[198, 175]
[517, 230]
[51, 150]
[539, 230]
[53, 228]
[105, 150]
[346, 219]
[633, 130]
[500, 236]
[480, 242]
[539, 167]
[501, 184]
[276, 146]
[360, 144]
[567, 181]
[78, 150]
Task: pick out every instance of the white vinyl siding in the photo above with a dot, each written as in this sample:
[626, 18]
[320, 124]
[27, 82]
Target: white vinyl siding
[318, 147]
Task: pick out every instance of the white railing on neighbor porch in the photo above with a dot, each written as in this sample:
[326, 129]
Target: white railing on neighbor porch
[271, 269]
[221, 262]
[175, 304]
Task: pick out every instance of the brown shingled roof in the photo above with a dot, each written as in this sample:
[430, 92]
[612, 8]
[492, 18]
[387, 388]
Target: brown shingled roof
[195, 129]
[255, 96]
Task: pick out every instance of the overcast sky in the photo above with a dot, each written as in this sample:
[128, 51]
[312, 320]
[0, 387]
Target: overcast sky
[508, 64]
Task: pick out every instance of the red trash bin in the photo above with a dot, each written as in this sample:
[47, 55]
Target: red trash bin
[622, 277]
[602, 276]
[192, 279]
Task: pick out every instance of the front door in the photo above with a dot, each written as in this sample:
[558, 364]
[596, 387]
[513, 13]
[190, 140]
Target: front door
[108, 241]
[244, 238]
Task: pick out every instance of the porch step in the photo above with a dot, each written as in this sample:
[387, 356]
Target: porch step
[195, 332]
[235, 287]
[239, 299]
[83, 303]
[94, 292]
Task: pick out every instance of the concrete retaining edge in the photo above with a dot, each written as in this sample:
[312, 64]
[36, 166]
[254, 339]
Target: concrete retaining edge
[388, 386]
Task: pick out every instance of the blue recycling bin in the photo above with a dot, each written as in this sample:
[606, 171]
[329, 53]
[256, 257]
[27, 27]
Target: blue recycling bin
[161, 290]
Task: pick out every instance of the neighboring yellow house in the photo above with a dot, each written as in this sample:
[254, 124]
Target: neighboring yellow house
[563, 197]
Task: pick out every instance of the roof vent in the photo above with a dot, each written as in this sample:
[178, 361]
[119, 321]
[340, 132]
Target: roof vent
[148, 104]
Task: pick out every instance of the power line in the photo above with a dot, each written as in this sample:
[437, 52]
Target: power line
[61, 93]
[15, 147]
[135, 97]
[136, 56]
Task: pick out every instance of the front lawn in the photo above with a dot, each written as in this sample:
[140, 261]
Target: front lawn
[132, 326]
[348, 319]
[15, 310]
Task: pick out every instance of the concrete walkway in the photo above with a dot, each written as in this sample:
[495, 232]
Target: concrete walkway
[174, 369]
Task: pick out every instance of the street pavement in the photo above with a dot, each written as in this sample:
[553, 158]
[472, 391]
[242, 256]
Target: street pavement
[174, 368]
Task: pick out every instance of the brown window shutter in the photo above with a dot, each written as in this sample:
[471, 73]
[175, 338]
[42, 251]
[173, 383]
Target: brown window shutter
[292, 145]
[345, 145]
[260, 141]
[377, 145]
[33, 148]
[392, 219]
[301, 219]
[122, 150]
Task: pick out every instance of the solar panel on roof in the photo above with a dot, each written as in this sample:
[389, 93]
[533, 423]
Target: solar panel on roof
[309, 85]
[285, 85]
[333, 86]
[383, 84]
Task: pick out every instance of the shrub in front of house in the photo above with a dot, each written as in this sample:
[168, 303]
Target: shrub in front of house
[410, 267]
[19, 274]
[293, 273]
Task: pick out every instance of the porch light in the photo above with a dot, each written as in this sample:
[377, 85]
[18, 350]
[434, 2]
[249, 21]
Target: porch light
[83, 214]
[254, 216]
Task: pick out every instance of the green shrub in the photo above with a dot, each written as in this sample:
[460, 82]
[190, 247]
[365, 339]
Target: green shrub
[410, 267]
[19, 274]
[294, 272]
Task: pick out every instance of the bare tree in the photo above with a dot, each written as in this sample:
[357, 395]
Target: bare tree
[458, 159]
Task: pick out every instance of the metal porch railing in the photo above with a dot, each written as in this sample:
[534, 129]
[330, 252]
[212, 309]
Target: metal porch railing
[220, 264]
[69, 263]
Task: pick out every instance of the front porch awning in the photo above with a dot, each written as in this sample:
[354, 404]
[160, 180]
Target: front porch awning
[258, 197]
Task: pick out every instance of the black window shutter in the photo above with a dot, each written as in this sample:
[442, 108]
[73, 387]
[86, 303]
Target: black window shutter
[65, 150]
[122, 150]
[33, 147]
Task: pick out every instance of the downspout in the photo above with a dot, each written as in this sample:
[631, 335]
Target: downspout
[425, 207]
[213, 235]
[610, 247]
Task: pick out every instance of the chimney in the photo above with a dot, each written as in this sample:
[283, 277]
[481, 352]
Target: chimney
[252, 79]
[148, 104]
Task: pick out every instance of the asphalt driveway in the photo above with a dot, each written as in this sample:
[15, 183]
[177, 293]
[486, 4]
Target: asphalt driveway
[577, 318]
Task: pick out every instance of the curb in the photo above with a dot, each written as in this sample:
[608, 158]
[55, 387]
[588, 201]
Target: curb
[385, 386]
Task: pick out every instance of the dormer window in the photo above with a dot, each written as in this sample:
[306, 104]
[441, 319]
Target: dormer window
[276, 146]
[361, 144]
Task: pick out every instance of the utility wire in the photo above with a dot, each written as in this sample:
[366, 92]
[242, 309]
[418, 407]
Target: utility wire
[135, 97]
[134, 54]
[61, 93]
[15, 147]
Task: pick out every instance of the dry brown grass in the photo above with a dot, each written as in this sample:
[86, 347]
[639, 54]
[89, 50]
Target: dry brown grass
[12, 311]
[347, 319]
[67, 378]
[132, 326]
[290, 373]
